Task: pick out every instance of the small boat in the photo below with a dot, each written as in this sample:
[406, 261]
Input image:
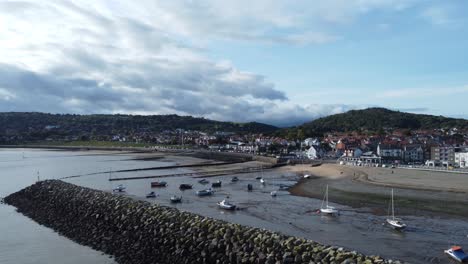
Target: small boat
[329, 210]
[185, 186]
[262, 181]
[151, 195]
[120, 188]
[234, 179]
[204, 181]
[274, 193]
[258, 177]
[225, 204]
[307, 176]
[159, 184]
[249, 187]
[216, 184]
[457, 253]
[394, 222]
[176, 199]
[206, 192]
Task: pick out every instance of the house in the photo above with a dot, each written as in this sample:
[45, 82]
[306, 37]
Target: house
[444, 154]
[311, 142]
[389, 152]
[413, 153]
[461, 159]
[314, 152]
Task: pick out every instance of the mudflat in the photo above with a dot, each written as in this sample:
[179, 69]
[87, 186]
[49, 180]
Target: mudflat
[416, 191]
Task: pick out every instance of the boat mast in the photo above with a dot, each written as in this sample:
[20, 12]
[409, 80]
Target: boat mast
[326, 193]
[393, 208]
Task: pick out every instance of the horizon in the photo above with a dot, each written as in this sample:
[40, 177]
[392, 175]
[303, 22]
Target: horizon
[272, 63]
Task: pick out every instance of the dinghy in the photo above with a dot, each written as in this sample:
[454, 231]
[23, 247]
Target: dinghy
[225, 204]
[216, 184]
[457, 253]
[274, 193]
[203, 181]
[151, 195]
[120, 188]
[176, 199]
[159, 184]
[185, 186]
[234, 179]
[262, 181]
[206, 192]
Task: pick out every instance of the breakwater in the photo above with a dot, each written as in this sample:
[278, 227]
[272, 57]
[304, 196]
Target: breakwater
[138, 232]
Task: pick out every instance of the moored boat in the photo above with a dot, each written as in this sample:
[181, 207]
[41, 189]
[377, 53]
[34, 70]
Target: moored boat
[216, 184]
[206, 192]
[457, 253]
[120, 188]
[234, 179]
[204, 181]
[159, 184]
[151, 195]
[225, 204]
[327, 209]
[249, 187]
[185, 186]
[176, 199]
[394, 222]
[274, 193]
[262, 181]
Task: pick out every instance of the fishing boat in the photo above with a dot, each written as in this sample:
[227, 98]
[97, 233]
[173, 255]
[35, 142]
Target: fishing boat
[159, 184]
[394, 222]
[225, 204]
[274, 193]
[185, 186]
[120, 188]
[176, 199]
[204, 181]
[325, 208]
[457, 253]
[249, 187]
[216, 184]
[206, 192]
[151, 195]
[234, 179]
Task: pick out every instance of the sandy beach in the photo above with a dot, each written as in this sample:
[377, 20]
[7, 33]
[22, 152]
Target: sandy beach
[416, 191]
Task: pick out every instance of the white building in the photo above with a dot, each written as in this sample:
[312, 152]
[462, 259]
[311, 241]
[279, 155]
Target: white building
[314, 152]
[461, 159]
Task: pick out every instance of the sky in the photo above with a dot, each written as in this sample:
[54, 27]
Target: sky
[277, 62]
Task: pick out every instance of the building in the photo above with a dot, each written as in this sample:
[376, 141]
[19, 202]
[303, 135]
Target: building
[413, 153]
[461, 159]
[443, 154]
[389, 152]
[314, 152]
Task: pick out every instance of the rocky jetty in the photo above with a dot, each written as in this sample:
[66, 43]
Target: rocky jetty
[139, 232]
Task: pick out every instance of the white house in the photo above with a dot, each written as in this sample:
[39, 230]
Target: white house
[311, 142]
[314, 152]
[461, 159]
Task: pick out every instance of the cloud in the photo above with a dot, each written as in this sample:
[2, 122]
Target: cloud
[423, 92]
[149, 57]
[439, 15]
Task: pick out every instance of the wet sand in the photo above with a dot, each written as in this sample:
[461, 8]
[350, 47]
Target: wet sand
[419, 192]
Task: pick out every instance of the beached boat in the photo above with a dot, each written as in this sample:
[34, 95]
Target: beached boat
[216, 184]
[457, 253]
[394, 222]
[185, 186]
[204, 181]
[234, 179]
[274, 193]
[176, 199]
[225, 204]
[206, 192]
[249, 187]
[151, 195]
[120, 188]
[325, 208]
[159, 184]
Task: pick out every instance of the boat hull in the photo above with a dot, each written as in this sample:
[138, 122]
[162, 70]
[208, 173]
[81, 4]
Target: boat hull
[396, 225]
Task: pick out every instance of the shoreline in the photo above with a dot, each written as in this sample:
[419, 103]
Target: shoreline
[351, 186]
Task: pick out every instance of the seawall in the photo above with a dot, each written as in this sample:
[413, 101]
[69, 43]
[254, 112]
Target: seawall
[138, 232]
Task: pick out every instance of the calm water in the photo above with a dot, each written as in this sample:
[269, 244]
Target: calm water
[423, 242]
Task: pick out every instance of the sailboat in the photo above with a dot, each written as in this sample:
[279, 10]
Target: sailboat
[330, 210]
[395, 222]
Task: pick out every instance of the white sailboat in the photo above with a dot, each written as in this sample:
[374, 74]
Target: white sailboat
[329, 210]
[393, 221]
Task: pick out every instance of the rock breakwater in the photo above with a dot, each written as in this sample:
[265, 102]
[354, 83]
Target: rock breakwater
[139, 232]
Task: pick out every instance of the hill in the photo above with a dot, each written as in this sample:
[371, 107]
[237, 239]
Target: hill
[42, 125]
[375, 119]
